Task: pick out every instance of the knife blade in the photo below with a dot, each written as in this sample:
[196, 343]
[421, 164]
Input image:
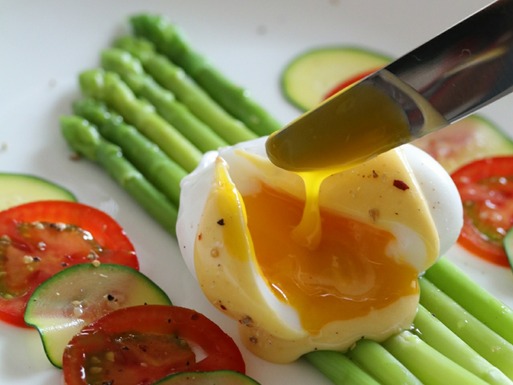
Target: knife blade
[445, 79]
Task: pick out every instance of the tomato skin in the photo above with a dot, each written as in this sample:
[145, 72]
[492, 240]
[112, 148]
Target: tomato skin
[486, 190]
[152, 320]
[105, 229]
[346, 83]
[22, 278]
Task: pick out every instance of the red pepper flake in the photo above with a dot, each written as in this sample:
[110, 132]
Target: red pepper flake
[400, 185]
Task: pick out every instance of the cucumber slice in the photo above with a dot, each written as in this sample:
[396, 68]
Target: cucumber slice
[80, 294]
[469, 139]
[17, 189]
[508, 246]
[309, 77]
[225, 377]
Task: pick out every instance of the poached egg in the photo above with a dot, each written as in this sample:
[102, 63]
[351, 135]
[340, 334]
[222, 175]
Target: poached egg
[299, 276]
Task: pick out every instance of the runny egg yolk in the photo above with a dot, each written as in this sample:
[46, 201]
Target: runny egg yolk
[333, 264]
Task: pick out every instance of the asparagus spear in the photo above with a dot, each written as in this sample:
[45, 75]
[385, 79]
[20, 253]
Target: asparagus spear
[171, 42]
[477, 301]
[379, 363]
[440, 337]
[85, 139]
[478, 336]
[110, 89]
[427, 364]
[339, 369]
[145, 87]
[147, 157]
[186, 90]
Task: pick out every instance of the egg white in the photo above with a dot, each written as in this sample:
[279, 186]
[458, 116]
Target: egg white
[271, 328]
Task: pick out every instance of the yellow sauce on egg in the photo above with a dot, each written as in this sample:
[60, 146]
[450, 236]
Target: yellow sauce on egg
[344, 274]
[313, 258]
[300, 276]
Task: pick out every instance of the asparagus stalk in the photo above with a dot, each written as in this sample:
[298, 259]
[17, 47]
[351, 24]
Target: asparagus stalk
[477, 301]
[379, 363]
[186, 90]
[339, 369]
[146, 156]
[171, 42]
[427, 364]
[145, 87]
[110, 89]
[440, 337]
[477, 335]
[85, 140]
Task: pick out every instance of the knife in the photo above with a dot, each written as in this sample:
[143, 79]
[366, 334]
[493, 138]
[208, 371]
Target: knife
[452, 75]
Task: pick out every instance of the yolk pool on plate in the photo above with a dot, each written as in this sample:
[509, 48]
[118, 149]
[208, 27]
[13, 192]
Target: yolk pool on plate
[344, 275]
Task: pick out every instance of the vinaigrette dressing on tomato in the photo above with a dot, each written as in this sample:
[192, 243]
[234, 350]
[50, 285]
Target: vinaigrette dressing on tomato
[36, 249]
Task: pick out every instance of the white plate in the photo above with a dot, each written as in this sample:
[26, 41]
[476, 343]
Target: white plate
[45, 44]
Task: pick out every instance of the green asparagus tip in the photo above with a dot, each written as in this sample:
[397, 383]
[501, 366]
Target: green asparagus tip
[95, 111]
[116, 59]
[80, 135]
[92, 82]
[141, 20]
[139, 47]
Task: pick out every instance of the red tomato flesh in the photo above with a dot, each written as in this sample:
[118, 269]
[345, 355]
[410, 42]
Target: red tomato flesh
[39, 239]
[486, 189]
[346, 83]
[141, 344]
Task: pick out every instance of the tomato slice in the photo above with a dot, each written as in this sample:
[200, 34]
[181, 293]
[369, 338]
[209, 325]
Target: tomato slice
[142, 344]
[486, 189]
[38, 239]
[346, 83]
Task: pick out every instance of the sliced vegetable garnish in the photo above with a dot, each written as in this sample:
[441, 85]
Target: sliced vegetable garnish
[472, 138]
[142, 344]
[23, 188]
[81, 294]
[312, 75]
[39, 239]
[217, 377]
[486, 189]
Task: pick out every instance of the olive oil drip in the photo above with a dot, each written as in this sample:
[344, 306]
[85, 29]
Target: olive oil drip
[362, 122]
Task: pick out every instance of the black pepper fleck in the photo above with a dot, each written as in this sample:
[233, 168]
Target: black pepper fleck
[253, 340]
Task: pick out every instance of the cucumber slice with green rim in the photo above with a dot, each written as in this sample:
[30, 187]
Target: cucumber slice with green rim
[309, 77]
[61, 306]
[508, 246]
[472, 138]
[218, 377]
[16, 189]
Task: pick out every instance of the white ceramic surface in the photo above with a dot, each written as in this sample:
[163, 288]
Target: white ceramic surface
[45, 44]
